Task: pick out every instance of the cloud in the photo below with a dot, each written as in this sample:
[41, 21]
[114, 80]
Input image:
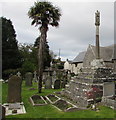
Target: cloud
[76, 29]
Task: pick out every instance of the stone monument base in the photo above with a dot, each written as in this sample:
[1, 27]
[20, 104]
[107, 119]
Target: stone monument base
[98, 63]
[14, 108]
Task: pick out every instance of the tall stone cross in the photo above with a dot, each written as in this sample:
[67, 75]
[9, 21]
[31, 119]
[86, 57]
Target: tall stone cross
[97, 23]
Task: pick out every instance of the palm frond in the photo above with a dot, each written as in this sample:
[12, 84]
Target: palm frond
[44, 13]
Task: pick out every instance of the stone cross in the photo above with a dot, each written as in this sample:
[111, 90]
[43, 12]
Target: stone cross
[18, 74]
[97, 23]
[97, 18]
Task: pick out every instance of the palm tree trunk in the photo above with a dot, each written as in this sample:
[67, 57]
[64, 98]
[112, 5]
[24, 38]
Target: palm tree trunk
[40, 62]
[41, 56]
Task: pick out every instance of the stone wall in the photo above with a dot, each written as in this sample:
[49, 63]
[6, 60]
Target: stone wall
[89, 81]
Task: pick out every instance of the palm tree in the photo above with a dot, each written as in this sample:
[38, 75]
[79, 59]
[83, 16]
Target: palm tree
[43, 14]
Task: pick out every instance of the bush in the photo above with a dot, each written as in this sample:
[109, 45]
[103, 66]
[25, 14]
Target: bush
[28, 67]
[8, 72]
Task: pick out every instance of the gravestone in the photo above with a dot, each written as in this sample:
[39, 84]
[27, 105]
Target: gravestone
[28, 79]
[54, 77]
[35, 76]
[48, 83]
[63, 83]
[108, 89]
[45, 74]
[57, 84]
[14, 89]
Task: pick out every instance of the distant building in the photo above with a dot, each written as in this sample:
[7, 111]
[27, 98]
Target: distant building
[84, 59]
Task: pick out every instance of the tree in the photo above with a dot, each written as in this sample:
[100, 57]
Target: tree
[47, 58]
[29, 57]
[11, 58]
[43, 14]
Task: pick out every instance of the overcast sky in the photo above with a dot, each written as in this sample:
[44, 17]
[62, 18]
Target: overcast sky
[76, 29]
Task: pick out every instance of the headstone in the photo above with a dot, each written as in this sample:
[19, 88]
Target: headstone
[63, 83]
[2, 112]
[35, 76]
[57, 84]
[108, 89]
[48, 83]
[14, 89]
[28, 79]
[44, 77]
[54, 77]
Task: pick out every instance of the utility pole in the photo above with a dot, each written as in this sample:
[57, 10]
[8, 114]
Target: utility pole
[59, 53]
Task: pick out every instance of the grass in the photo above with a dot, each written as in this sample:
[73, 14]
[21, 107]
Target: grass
[38, 101]
[63, 106]
[49, 111]
[52, 98]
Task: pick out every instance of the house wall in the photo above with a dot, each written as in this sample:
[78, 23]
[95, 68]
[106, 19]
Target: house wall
[66, 65]
[73, 67]
[76, 68]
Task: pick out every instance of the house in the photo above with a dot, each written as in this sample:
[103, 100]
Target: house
[68, 65]
[106, 53]
[84, 59]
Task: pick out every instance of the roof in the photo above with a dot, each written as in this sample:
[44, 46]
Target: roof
[113, 47]
[70, 62]
[106, 53]
[79, 57]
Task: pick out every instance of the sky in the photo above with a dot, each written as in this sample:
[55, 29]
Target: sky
[76, 27]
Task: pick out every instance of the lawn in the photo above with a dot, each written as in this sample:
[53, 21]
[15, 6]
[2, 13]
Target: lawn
[49, 111]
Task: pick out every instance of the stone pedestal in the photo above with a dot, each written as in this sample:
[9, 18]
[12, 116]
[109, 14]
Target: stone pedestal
[98, 63]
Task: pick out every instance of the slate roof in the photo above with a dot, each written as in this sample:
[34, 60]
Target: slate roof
[79, 57]
[106, 53]
[70, 62]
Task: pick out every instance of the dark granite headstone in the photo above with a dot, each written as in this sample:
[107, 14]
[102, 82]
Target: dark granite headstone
[57, 84]
[28, 79]
[14, 89]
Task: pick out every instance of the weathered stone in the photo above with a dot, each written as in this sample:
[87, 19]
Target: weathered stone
[108, 89]
[48, 83]
[14, 89]
[35, 76]
[63, 83]
[45, 74]
[57, 84]
[15, 106]
[28, 79]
